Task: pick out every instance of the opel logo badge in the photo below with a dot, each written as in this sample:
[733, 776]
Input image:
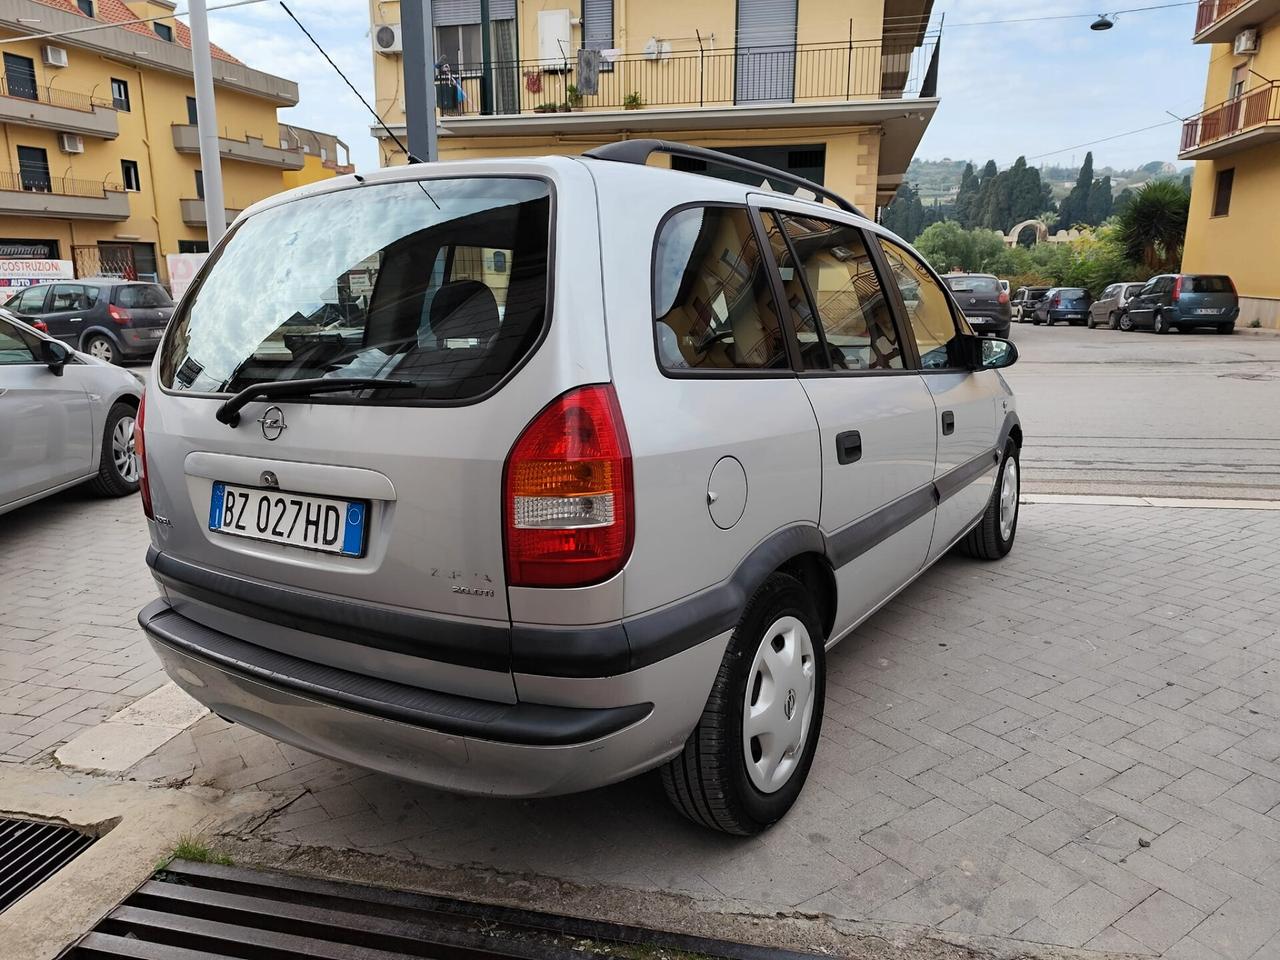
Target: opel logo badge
[789, 705]
[272, 423]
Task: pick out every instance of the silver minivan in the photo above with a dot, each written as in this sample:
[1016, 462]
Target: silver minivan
[524, 476]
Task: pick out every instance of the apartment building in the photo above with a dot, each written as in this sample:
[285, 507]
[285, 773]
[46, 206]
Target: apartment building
[323, 155]
[838, 92]
[102, 157]
[1234, 223]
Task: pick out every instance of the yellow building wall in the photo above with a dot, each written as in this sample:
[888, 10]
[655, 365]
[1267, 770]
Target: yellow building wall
[158, 100]
[313, 169]
[1244, 243]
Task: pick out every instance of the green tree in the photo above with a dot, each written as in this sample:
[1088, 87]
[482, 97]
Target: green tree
[1153, 225]
[967, 196]
[1075, 206]
[948, 246]
[1100, 202]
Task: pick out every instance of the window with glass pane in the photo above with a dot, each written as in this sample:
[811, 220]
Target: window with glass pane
[15, 346]
[713, 308]
[928, 308]
[854, 326]
[67, 297]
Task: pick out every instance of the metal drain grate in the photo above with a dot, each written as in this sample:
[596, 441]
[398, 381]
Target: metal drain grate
[195, 911]
[31, 852]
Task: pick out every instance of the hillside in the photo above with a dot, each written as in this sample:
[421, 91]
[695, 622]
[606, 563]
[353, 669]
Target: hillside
[940, 179]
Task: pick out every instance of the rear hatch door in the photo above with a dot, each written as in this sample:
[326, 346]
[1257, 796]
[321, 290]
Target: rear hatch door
[1208, 297]
[980, 296]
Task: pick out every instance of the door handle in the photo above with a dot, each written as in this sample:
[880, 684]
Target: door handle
[849, 447]
[948, 423]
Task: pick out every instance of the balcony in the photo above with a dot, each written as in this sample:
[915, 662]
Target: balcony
[51, 108]
[186, 139]
[1218, 21]
[1246, 121]
[36, 194]
[801, 84]
[193, 212]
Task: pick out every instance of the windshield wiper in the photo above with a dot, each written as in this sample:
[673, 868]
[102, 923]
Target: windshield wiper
[229, 412]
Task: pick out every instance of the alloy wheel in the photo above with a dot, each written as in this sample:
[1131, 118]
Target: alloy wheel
[100, 349]
[123, 454]
[1009, 498]
[777, 710]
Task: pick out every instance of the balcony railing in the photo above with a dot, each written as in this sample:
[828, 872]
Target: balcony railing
[1247, 112]
[804, 73]
[38, 181]
[1211, 11]
[1219, 21]
[22, 88]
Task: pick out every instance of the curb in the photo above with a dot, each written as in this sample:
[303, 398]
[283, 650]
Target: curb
[1102, 500]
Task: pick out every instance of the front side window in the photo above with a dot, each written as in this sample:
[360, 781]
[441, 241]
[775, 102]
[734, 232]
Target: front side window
[16, 346]
[712, 305]
[928, 308]
[120, 94]
[838, 308]
[359, 303]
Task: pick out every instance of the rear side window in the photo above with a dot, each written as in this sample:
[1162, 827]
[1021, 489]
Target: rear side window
[440, 284]
[140, 295]
[1208, 285]
[29, 301]
[928, 308]
[712, 303]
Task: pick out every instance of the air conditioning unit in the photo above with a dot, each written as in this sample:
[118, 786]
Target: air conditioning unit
[53, 56]
[386, 38]
[1246, 43]
[70, 143]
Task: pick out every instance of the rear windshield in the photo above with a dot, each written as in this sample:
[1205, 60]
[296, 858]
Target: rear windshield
[1072, 293]
[1207, 285]
[440, 284]
[981, 285]
[141, 295]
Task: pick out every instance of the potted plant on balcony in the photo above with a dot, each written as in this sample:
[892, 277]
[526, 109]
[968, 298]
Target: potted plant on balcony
[547, 108]
[632, 101]
[572, 98]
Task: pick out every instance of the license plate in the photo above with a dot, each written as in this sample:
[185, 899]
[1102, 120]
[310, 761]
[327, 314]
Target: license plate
[313, 523]
[1208, 311]
[1075, 316]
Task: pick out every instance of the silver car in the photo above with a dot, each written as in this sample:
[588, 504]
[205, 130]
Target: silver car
[65, 419]
[538, 474]
[1110, 308]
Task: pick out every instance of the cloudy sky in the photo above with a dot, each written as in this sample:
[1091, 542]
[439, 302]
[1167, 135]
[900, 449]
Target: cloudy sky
[1038, 88]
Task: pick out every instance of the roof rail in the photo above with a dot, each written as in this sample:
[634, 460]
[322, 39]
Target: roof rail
[639, 151]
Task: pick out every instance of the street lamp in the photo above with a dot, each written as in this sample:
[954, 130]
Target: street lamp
[1102, 23]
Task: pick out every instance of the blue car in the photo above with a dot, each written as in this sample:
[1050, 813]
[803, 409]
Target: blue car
[1063, 303]
[1185, 301]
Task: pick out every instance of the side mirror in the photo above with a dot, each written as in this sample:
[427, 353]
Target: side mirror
[54, 354]
[997, 354]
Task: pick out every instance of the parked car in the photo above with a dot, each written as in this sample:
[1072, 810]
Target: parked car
[65, 419]
[459, 548]
[112, 320]
[984, 302]
[1111, 307]
[1185, 301]
[1024, 302]
[1062, 303]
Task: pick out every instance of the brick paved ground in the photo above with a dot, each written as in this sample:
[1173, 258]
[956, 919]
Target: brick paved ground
[1077, 746]
[72, 579]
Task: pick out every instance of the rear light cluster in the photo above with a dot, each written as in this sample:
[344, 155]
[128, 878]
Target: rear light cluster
[1177, 290]
[1057, 302]
[140, 451]
[1003, 298]
[567, 493]
[119, 314]
[40, 325]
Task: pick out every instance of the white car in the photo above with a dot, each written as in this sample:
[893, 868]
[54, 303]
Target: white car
[65, 419]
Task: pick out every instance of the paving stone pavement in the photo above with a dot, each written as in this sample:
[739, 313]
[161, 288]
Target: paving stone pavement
[72, 579]
[1078, 746]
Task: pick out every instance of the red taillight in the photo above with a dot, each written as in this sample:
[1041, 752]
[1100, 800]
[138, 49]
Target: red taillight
[40, 325]
[1177, 289]
[1003, 298]
[567, 493]
[140, 451]
[1057, 302]
[119, 314]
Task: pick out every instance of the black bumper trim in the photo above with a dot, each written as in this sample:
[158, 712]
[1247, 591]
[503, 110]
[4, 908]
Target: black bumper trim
[529, 724]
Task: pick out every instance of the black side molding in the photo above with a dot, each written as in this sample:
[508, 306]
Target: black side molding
[957, 478]
[532, 724]
[852, 541]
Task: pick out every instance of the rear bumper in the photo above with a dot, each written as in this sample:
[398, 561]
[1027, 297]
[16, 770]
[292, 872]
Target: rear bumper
[455, 743]
[1185, 319]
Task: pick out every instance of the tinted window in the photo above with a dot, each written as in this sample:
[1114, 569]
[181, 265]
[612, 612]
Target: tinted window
[288, 297]
[30, 300]
[141, 295]
[68, 296]
[985, 286]
[1111, 291]
[928, 308]
[853, 328]
[712, 304]
[15, 345]
[1207, 285]
[1072, 293]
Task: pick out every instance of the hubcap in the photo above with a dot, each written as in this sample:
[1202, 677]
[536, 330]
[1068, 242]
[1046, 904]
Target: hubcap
[122, 452]
[778, 707]
[100, 349]
[1008, 498]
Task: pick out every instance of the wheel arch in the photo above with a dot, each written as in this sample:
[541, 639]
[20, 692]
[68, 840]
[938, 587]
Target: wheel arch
[814, 571]
[97, 330]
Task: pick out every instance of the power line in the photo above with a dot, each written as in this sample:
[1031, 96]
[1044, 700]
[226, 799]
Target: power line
[1091, 143]
[119, 23]
[908, 19]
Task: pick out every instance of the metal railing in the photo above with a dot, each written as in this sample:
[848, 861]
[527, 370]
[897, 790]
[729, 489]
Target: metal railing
[38, 181]
[21, 88]
[803, 73]
[1255, 108]
[1211, 11]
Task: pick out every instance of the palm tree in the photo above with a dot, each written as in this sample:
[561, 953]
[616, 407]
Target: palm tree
[1153, 225]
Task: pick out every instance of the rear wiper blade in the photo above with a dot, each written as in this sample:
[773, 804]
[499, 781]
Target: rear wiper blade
[229, 412]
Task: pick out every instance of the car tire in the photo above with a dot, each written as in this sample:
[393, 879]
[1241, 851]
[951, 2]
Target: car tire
[118, 467]
[993, 537]
[1113, 322]
[1227, 328]
[1159, 324]
[1089, 323]
[1125, 322]
[717, 780]
[102, 348]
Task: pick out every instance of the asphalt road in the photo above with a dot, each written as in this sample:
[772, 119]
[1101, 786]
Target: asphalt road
[1182, 415]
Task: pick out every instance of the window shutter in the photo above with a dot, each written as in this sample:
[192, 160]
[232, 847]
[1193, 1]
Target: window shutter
[597, 24]
[451, 13]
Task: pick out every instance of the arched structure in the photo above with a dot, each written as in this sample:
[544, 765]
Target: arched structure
[1042, 233]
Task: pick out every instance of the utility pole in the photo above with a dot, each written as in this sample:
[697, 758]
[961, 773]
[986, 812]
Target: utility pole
[486, 60]
[419, 61]
[215, 210]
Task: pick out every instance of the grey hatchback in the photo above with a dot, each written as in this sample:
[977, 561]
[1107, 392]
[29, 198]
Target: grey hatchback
[984, 301]
[111, 320]
[1185, 301]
